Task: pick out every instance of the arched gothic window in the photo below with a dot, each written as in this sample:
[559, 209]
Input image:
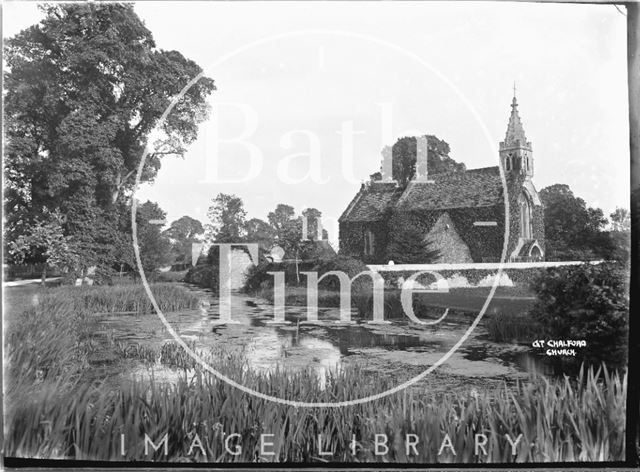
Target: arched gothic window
[508, 162]
[525, 216]
[369, 242]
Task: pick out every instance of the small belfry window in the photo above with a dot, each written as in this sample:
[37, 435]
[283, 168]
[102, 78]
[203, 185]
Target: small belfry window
[369, 242]
[508, 162]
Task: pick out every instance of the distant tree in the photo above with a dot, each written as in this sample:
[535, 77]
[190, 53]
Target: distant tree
[84, 90]
[621, 219]
[155, 247]
[227, 219]
[573, 230]
[404, 158]
[281, 217]
[45, 242]
[288, 228]
[620, 235]
[260, 232]
[407, 243]
[183, 233]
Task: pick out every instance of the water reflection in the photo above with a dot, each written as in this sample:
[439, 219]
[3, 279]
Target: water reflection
[398, 349]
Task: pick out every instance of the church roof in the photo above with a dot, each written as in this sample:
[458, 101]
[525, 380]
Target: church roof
[371, 202]
[469, 189]
[472, 188]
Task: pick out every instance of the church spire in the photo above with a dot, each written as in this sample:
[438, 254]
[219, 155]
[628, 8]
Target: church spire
[515, 151]
[515, 130]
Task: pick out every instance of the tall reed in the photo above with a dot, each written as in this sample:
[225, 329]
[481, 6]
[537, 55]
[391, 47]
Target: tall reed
[53, 410]
[125, 298]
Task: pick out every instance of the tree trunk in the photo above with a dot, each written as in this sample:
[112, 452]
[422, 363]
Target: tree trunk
[44, 275]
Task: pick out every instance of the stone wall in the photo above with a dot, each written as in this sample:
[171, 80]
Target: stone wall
[444, 238]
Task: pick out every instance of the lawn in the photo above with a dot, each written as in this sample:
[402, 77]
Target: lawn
[506, 300]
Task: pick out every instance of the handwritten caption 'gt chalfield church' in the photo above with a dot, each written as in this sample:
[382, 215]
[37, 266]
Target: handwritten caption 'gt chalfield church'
[560, 347]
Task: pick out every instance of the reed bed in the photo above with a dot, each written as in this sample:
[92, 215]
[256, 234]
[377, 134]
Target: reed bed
[53, 410]
[564, 420]
[503, 327]
[126, 299]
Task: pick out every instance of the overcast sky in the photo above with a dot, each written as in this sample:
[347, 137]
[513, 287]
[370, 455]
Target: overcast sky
[291, 78]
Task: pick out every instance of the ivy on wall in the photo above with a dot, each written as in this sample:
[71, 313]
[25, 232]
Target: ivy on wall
[485, 243]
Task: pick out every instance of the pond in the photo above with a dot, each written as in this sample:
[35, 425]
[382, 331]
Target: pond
[399, 349]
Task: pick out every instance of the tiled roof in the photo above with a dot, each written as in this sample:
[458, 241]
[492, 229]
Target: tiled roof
[371, 202]
[470, 189]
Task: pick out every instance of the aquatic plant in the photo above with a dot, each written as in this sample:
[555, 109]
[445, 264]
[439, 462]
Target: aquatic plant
[559, 420]
[55, 408]
[503, 327]
[124, 299]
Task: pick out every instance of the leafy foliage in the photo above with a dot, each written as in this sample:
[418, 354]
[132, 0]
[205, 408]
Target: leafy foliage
[47, 242]
[227, 219]
[587, 302]
[620, 235]
[183, 233]
[155, 247]
[204, 275]
[407, 243]
[84, 90]
[260, 232]
[573, 230]
[403, 154]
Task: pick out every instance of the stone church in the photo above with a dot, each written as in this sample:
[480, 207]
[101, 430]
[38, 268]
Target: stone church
[461, 214]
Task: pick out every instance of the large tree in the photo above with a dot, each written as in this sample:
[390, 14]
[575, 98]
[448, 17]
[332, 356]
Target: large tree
[85, 88]
[403, 158]
[572, 229]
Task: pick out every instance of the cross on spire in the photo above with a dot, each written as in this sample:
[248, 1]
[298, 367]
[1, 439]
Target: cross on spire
[514, 89]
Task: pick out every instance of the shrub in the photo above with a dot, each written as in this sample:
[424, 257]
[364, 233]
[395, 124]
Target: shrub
[348, 265]
[586, 302]
[258, 277]
[203, 275]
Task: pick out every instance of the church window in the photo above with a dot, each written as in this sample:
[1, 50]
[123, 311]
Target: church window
[525, 216]
[508, 161]
[369, 242]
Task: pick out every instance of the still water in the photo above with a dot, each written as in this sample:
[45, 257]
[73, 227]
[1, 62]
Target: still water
[400, 349]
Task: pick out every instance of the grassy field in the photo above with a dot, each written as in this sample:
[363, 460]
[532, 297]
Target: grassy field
[53, 410]
[511, 300]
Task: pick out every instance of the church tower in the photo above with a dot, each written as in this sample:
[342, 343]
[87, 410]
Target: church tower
[516, 155]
